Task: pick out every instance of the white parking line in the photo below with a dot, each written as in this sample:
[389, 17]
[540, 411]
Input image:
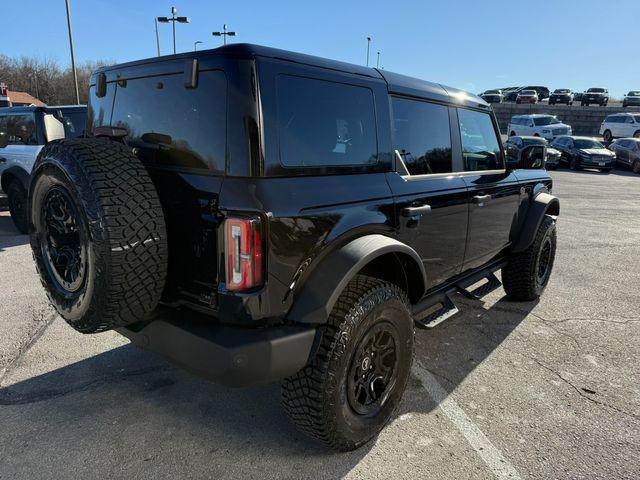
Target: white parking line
[494, 459]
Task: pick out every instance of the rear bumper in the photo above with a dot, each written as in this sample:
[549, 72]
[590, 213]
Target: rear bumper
[229, 355]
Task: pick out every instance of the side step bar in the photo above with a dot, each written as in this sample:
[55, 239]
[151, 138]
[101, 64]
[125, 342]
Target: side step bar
[427, 316]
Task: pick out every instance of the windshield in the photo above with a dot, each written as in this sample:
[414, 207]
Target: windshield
[634, 93]
[562, 90]
[542, 121]
[637, 118]
[587, 143]
[596, 90]
[74, 123]
[534, 141]
[492, 92]
[528, 92]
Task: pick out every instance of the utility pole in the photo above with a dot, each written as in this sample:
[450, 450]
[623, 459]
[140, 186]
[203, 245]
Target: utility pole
[173, 20]
[195, 45]
[368, 45]
[224, 34]
[73, 60]
[378, 61]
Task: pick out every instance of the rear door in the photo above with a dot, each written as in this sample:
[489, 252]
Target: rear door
[494, 192]
[430, 198]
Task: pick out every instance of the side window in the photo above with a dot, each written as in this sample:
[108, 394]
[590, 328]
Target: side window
[193, 135]
[628, 119]
[530, 122]
[4, 137]
[613, 119]
[21, 130]
[100, 109]
[323, 123]
[480, 146]
[422, 136]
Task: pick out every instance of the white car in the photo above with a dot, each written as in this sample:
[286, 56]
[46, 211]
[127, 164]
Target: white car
[620, 125]
[537, 125]
[23, 133]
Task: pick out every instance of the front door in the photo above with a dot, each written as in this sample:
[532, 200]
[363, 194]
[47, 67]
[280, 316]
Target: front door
[494, 192]
[430, 198]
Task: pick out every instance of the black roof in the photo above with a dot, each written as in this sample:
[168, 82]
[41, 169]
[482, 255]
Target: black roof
[397, 83]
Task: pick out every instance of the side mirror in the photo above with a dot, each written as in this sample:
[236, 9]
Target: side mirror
[53, 128]
[533, 157]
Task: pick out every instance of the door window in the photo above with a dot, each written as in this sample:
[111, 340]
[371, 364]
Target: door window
[21, 130]
[4, 137]
[323, 123]
[422, 136]
[480, 145]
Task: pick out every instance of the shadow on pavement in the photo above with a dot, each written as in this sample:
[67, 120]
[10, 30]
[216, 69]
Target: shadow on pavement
[9, 235]
[135, 406]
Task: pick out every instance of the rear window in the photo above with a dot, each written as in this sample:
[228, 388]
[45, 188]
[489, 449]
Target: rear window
[323, 123]
[172, 125]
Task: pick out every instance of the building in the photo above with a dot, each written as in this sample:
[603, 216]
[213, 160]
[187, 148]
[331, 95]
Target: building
[17, 99]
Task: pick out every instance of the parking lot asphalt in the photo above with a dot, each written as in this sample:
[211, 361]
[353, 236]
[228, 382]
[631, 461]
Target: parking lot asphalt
[547, 389]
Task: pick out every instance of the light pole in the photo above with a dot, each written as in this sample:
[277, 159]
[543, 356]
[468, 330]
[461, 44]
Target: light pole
[224, 34]
[368, 45]
[378, 61]
[173, 20]
[155, 20]
[73, 60]
[195, 45]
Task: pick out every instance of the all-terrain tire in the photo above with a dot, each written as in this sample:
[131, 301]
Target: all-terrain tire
[18, 206]
[100, 196]
[521, 276]
[317, 398]
[607, 136]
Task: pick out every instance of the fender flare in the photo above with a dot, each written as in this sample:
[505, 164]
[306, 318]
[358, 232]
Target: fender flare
[542, 204]
[18, 173]
[321, 291]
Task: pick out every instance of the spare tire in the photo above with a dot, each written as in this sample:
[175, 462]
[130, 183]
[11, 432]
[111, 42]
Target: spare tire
[98, 233]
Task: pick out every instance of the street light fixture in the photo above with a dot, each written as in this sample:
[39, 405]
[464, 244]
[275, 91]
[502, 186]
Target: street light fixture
[195, 45]
[173, 19]
[224, 34]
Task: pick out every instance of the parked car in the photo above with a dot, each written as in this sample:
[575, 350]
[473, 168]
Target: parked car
[620, 125]
[527, 96]
[537, 125]
[23, 132]
[561, 95]
[515, 145]
[583, 152]
[627, 151]
[542, 92]
[492, 96]
[510, 94]
[597, 95]
[299, 247]
[631, 99]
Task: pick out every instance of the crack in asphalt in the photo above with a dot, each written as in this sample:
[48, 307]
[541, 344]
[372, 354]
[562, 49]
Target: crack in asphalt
[27, 346]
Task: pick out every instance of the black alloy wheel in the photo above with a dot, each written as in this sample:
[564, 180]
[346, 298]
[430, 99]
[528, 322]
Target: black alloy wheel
[64, 247]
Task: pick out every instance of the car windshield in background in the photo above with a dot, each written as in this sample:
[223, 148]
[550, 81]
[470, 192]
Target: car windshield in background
[492, 92]
[595, 90]
[586, 143]
[634, 93]
[637, 118]
[562, 90]
[534, 141]
[542, 121]
[528, 92]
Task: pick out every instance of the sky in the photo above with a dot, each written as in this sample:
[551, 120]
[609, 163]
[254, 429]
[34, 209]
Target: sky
[473, 45]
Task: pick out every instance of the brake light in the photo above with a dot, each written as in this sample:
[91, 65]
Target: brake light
[243, 247]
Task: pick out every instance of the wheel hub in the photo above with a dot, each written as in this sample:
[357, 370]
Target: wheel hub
[373, 369]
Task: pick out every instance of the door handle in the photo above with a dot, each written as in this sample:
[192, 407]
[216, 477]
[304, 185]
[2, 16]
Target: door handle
[416, 211]
[480, 200]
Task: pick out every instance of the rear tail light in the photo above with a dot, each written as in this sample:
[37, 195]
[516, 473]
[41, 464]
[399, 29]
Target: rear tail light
[243, 248]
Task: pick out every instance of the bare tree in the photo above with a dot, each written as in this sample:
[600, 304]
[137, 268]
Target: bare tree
[45, 79]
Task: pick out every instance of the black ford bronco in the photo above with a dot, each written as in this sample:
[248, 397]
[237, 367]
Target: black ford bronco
[257, 215]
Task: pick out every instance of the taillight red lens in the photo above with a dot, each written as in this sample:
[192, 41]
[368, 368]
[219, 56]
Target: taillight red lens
[243, 247]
